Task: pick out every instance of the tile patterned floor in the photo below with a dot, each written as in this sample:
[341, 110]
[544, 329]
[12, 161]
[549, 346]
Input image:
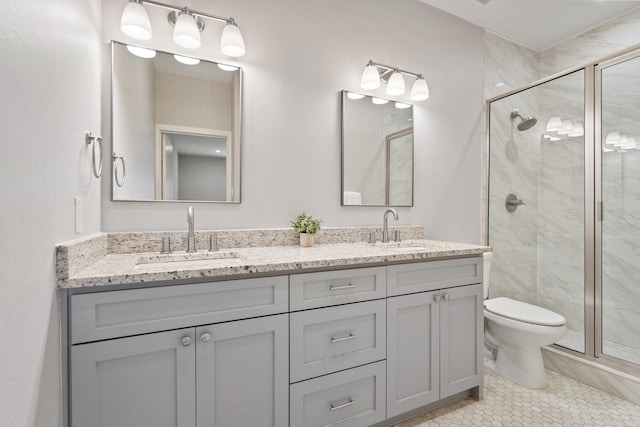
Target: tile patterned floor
[564, 402]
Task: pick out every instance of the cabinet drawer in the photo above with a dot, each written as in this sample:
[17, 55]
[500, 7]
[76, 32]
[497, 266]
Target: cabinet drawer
[104, 315]
[355, 397]
[312, 290]
[432, 275]
[331, 339]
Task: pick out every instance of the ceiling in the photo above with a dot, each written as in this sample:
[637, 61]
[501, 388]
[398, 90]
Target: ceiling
[536, 24]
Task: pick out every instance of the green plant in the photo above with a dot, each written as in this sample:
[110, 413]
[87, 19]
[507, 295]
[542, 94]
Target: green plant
[306, 224]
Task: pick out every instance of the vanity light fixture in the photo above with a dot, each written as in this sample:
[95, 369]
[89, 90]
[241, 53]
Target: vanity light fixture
[554, 124]
[402, 105]
[226, 67]
[187, 60]
[187, 25]
[354, 96]
[374, 73]
[142, 52]
[379, 101]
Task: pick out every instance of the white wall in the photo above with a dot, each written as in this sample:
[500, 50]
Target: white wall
[299, 56]
[50, 86]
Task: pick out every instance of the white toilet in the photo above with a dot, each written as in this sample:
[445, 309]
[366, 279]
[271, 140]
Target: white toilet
[516, 331]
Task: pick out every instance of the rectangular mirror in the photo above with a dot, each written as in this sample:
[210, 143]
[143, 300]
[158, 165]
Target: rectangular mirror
[377, 151]
[176, 127]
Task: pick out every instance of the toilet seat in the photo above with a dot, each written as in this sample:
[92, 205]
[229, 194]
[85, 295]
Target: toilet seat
[523, 312]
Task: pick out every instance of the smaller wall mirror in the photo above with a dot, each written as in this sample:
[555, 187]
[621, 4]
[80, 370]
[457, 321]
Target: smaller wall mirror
[377, 151]
[176, 127]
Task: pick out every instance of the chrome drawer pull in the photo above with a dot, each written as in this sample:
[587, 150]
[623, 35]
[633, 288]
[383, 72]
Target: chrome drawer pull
[347, 338]
[337, 288]
[334, 407]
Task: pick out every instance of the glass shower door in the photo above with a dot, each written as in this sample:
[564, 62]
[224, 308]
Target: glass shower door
[618, 221]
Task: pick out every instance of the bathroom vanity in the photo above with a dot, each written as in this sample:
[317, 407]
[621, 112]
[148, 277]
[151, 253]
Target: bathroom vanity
[350, 334]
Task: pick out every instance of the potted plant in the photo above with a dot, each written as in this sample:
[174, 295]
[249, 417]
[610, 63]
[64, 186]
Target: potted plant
[308, 227]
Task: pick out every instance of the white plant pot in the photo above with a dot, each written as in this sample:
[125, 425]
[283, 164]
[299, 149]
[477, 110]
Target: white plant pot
[306, 240]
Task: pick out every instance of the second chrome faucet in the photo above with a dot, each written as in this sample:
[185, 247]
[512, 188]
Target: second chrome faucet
[385, 224]
[191, 238]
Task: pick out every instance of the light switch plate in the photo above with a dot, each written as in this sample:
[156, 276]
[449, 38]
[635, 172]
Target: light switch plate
[78, 214]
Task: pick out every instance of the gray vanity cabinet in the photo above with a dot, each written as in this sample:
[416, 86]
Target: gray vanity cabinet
[242, 373]
[205, 376]
[434, 337]
[146, 380]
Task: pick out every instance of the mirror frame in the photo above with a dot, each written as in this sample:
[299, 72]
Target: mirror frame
[386, 140]
[237, 172]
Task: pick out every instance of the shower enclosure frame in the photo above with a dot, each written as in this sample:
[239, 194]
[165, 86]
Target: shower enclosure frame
[592, 201]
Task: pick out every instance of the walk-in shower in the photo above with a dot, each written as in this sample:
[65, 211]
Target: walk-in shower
[573, 244]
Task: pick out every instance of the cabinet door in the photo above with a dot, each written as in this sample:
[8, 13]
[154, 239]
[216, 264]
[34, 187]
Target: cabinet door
[243, 373]
[142, 381]
[412, 352]
[461, 339]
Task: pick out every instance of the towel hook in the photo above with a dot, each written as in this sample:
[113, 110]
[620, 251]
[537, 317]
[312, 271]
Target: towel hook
[119, 160]
[94, 140]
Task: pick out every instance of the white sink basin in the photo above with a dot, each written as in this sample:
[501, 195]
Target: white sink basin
[186, 260]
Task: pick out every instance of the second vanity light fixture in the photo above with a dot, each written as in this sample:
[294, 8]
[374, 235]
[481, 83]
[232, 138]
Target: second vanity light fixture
[187, 25]
[374, 73]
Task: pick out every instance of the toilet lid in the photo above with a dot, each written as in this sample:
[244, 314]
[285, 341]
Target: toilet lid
[523, 312]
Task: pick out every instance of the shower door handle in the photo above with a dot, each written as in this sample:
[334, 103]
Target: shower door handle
[511, 202]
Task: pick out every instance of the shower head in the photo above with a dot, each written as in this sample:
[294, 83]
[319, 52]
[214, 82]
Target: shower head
[525, 123]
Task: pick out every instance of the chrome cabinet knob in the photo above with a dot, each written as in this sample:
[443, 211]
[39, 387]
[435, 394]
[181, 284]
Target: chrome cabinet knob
[205, 337]
[186, 341]
[437, 298]
[445, 297]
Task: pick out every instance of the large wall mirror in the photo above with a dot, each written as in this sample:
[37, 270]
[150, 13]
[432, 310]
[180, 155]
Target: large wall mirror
[175, 128]
[377, 151]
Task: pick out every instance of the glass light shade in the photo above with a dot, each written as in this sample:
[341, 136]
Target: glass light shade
[578, 130]
[135, 21]
[186, 33]
[612, 138]
[353, 95]
[402, 105]
[607, 150]
[226, 67]
[231, 41]
[554, 124]
[141, 51]
[630, 143]
[379, 101]
[370, 78]
[187, 60]
[567, 127]
[623, 141]
[395, 86]
[420, 89]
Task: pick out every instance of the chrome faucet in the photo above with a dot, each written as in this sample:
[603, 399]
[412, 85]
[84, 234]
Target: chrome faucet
[191, 238]
[385, 225]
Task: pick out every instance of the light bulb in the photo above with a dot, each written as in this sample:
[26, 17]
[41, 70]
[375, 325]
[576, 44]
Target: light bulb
[420, 89]
[187, 60]
[370, 77]
[578, 130]
[379, 101]
[554, 124]
[135, 21]
[226, 67]
[567, 127]
[355, 96]
[612, 138]
[141, 51]
[231, 41]
[395, 86]
[186, 32]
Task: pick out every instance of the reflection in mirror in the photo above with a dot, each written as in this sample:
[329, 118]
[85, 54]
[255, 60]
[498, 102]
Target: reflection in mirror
[177, 126]
[377, 151]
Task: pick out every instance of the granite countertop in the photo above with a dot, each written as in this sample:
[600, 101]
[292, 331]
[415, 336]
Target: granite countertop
[118, 269]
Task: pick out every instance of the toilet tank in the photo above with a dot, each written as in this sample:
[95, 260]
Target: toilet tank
[486, 268]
